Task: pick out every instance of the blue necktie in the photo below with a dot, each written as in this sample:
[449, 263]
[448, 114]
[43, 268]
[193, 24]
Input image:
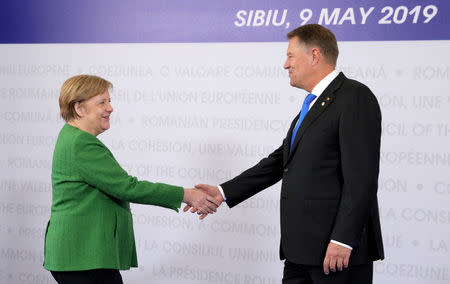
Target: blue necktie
[305, 108]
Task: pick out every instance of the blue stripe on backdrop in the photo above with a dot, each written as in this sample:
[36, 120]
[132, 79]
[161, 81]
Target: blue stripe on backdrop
[117, 21]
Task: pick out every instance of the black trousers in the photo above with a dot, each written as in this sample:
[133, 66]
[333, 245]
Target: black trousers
[94, 276]
[306, 274]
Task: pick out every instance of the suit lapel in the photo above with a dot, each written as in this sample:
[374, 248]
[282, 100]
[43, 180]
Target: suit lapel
[323, 101]
[287, 141]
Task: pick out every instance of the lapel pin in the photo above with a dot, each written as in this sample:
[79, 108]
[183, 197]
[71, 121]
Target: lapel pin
[323, 103]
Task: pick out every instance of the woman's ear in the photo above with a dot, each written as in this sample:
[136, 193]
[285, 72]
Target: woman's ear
[79, 109]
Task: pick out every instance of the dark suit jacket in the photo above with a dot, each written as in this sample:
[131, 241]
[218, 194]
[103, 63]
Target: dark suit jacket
[330, 177]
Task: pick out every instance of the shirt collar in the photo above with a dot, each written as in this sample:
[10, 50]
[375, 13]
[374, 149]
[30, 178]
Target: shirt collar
[323, 84]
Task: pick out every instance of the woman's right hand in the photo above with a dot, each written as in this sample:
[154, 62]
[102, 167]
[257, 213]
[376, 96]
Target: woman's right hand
[204, 203]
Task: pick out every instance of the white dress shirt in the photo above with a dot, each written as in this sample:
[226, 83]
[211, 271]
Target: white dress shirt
[322, 85]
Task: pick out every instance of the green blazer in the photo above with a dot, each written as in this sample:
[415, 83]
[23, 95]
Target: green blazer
[91, 224]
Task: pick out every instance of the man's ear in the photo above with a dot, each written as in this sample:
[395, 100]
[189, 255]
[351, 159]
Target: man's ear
[316, 55]
[79, 109]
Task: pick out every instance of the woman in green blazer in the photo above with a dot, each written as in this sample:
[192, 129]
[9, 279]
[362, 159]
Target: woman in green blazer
[90, 236]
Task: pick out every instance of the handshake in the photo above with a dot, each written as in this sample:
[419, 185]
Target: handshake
[203, 199]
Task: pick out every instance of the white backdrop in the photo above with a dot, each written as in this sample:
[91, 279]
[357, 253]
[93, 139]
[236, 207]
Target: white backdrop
[202, 113]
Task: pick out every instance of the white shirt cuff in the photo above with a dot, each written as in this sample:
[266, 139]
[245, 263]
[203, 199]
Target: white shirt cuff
[339, 243]
[221, 192]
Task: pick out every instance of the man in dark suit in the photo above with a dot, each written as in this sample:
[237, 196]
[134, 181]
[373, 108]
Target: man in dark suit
[329, 164]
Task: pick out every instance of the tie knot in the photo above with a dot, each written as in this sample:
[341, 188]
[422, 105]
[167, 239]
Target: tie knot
[310, 98]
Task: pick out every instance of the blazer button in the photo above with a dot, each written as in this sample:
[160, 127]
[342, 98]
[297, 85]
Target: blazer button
[286, 170]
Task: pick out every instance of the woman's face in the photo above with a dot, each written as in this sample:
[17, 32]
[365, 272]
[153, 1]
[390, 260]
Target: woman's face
[94, 113]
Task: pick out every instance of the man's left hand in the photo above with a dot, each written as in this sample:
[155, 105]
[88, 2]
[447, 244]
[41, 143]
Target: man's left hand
[336, 257]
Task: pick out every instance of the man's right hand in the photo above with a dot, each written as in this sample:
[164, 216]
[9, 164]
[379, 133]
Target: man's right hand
[200, 200]
[212, 191]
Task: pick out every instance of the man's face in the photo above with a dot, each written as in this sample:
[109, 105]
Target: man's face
[298, 63]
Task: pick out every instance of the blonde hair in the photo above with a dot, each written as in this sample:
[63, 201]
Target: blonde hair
[77, 89]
